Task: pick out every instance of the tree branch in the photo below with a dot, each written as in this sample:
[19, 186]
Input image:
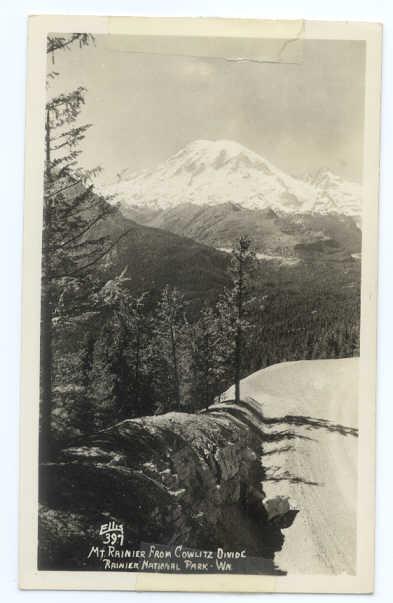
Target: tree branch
[98, 258]
[80, 234]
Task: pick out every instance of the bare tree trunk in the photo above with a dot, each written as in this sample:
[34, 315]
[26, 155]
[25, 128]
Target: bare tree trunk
[46, 375]
[45, 444]
[47, 144]
[207, 392]
[175, 367]
[238, 342]
[237, 367]
[137, 362]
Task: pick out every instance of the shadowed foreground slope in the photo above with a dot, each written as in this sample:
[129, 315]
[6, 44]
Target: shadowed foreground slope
[234, 476]
[177, 478]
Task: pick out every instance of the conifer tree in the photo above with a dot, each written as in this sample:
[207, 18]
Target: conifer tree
[71, 251]
[124, 336]
[139, 358]
[166, 350]
[208, 353]
[235, 304]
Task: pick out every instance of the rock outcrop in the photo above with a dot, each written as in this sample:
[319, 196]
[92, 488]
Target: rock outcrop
[193, 479]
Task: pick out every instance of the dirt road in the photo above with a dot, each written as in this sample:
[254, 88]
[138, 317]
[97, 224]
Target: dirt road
[310, 454]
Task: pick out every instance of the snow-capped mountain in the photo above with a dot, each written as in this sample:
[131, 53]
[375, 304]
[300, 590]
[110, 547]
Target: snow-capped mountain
[213, 172]
[334, 194]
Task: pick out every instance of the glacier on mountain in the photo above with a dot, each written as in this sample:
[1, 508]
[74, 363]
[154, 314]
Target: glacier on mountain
[208, 172]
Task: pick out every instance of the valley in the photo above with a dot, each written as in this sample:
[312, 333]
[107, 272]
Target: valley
[307, 285]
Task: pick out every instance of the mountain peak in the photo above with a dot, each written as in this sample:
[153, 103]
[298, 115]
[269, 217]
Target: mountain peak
[225, 155]
[216, 145]
[326, 178]
[210, 150]
[212, 172]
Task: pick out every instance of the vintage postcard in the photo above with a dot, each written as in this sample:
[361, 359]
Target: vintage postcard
[199, 305]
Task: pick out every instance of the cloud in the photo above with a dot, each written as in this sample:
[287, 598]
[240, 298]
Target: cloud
[195, 68]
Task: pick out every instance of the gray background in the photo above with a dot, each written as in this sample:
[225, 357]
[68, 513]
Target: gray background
[300, 116]
[13, 41]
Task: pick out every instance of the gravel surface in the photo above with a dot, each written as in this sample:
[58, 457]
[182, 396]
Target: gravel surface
[310, 455]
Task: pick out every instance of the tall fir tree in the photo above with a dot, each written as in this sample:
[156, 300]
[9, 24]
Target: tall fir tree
[234, 307]
[166, 349]
[208, 353]
[70, 249]
[124, 336]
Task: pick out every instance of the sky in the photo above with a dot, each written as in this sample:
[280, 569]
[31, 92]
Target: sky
[144, 107]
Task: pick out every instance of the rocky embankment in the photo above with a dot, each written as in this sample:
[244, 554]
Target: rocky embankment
[178, 478]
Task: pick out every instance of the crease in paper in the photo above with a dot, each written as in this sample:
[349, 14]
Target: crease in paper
[239, 41]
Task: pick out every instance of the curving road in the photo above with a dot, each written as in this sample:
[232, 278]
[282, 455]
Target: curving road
[310, 454]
